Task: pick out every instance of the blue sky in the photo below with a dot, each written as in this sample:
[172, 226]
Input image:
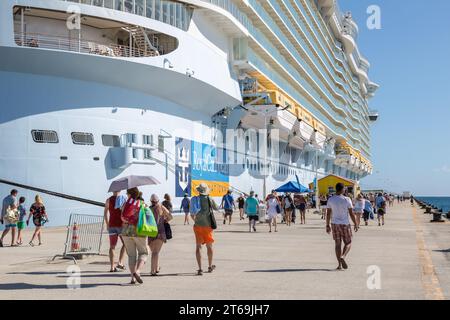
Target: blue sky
[410, 59]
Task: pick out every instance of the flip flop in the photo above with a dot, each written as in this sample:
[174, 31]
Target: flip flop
[120, 267]
[200, 272]
[211, 269]
[344, 264]
[138, 278]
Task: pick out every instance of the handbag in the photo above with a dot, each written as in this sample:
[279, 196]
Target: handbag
[146, 226]
[12, 215]
[278, 207]
[168, 230]
[211, 215]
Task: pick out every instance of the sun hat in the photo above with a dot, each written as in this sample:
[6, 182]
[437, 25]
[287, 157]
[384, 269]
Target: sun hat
[203, 189]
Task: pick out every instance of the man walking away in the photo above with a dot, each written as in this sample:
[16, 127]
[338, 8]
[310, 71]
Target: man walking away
[11, 203]
[228, 205]
[339, 209]
[114, 224]
[185, 206]
[203, 230]
[251, 207]
[241, 203]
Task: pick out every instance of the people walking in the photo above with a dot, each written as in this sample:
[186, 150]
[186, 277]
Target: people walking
[323, 206]
[339, 210]
[21, 223]
[251, 207]
[9, 203]
[288, 206]
[136, 246]
[203, 227]
[113, 221]
[167, 203]
[368, 211]
[359, 205]
[185, 207]
[300, 203]
[380, 202]
[162, 216]
[228, 205]
[37, 211]
[241, 203]
[273, 209]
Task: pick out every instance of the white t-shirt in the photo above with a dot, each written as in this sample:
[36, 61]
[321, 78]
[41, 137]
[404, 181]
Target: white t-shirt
[339, 206]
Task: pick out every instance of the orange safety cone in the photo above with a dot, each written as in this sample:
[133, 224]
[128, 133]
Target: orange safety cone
[75, 245]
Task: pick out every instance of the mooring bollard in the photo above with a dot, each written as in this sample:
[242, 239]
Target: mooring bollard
[437, 217]
[428, 209]
[448, 215]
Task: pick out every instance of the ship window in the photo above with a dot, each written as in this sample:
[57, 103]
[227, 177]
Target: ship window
[128, 4]
[44, 136]
[109, 140]
[109, 4]
[147, 140]
[139, 7]
[83, 138]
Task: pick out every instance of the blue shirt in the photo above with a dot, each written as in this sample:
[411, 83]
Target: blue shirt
[368, 206]
[379, 201]
[22, 212]
[195, 205]
[185, 204]
[228, 201]
[120, 200]
[251, 206]
[9, 201]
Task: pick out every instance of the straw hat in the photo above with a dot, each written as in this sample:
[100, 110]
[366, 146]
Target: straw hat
[203, 189]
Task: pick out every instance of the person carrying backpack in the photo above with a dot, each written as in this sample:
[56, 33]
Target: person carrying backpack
[380, 203]
[203, 207]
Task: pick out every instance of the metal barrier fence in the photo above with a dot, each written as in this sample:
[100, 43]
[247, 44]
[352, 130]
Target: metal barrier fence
[84, 236]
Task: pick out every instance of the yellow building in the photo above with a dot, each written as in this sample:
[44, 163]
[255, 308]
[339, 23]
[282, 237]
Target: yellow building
[328, 185]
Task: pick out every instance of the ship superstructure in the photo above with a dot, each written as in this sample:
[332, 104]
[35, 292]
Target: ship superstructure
[93, 90]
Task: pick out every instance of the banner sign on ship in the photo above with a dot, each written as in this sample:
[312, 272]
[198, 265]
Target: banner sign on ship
[197, 163]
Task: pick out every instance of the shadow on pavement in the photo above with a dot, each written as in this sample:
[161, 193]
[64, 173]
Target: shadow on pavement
[443, 250]
[292, 270]
[28, 286]
[43, 273]
[172, 275]
[231, 231]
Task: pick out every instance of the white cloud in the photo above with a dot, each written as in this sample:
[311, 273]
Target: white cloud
[445, 169]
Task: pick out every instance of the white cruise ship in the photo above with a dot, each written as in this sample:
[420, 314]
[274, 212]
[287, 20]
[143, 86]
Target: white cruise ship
[246, 94]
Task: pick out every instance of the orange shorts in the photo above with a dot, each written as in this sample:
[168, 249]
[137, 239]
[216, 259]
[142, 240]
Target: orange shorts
[203, 235]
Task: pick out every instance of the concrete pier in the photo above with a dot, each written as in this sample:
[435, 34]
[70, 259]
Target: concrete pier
[408, 258]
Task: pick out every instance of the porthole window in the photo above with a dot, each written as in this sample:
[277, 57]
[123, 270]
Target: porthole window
[44, 136]
[83, 138]
[109, 140]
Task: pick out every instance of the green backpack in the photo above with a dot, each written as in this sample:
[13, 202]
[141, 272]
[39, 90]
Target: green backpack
[146, 226]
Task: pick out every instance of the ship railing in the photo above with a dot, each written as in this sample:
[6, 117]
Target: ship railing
[36, 40]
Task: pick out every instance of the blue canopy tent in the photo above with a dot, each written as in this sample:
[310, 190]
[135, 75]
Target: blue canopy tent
[293, 187]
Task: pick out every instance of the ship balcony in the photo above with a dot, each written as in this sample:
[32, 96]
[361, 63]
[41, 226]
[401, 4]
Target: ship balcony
[45, 41]
[47, 29]
[373, 115]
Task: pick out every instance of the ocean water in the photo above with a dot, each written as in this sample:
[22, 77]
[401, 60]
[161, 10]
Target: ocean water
[440, 202]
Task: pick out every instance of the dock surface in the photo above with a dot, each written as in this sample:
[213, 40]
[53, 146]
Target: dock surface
[408, 258]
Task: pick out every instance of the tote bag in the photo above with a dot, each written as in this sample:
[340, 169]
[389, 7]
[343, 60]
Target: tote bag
[146, 226]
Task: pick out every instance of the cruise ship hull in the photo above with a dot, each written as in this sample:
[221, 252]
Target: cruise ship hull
[158, 95]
